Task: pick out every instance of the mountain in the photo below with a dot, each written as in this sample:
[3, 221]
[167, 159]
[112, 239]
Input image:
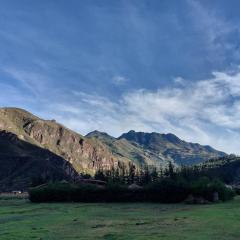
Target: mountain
[156, 149]
[32, 147]
[85, 155]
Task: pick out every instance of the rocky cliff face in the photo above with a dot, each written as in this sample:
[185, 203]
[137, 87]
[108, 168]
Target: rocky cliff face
[85, 155]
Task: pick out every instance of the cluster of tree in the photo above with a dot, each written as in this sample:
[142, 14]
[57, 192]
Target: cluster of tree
[225, 169]
[129, 174]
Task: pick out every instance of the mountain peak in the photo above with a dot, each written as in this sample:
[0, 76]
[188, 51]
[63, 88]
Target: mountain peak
[138, 136]
[172, 138]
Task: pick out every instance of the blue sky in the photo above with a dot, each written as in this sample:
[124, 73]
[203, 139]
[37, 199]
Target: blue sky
[164, 66]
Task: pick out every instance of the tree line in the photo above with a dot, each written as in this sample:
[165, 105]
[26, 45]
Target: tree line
[166, 185]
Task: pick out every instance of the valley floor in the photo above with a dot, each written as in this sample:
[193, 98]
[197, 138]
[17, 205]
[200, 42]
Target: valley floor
[20, 219]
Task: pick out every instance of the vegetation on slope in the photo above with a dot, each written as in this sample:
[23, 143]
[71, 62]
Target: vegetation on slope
[225, 168]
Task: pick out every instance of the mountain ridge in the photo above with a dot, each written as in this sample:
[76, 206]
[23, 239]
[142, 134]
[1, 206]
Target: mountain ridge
[87, 154]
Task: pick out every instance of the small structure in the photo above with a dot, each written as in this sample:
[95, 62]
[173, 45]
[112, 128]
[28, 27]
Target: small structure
[16, 192]
[215, 197]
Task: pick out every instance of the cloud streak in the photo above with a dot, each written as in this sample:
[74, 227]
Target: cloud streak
[119, 80]
[218, 33]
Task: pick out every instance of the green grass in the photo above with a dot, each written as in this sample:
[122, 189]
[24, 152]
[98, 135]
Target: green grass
[20, 219]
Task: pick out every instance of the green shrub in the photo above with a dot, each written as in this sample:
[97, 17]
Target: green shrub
[205, 188]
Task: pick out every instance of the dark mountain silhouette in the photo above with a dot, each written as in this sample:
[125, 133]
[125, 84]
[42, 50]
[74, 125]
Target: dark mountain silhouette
[22, 163]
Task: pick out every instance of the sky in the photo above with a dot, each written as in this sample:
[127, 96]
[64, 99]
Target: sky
[154, 66]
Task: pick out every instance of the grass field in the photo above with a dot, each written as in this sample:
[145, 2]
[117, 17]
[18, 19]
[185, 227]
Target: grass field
[22, 220]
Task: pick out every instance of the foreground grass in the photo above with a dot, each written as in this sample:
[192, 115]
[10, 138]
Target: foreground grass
[20, 219]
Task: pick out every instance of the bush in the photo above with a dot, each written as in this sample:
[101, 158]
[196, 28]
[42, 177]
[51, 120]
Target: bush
[167, 191]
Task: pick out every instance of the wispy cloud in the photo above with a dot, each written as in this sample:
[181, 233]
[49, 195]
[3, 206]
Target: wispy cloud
[119, 80]
[33, 81]
[206, 111]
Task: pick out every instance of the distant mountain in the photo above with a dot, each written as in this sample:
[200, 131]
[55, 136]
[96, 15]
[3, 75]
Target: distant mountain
[156, 149]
